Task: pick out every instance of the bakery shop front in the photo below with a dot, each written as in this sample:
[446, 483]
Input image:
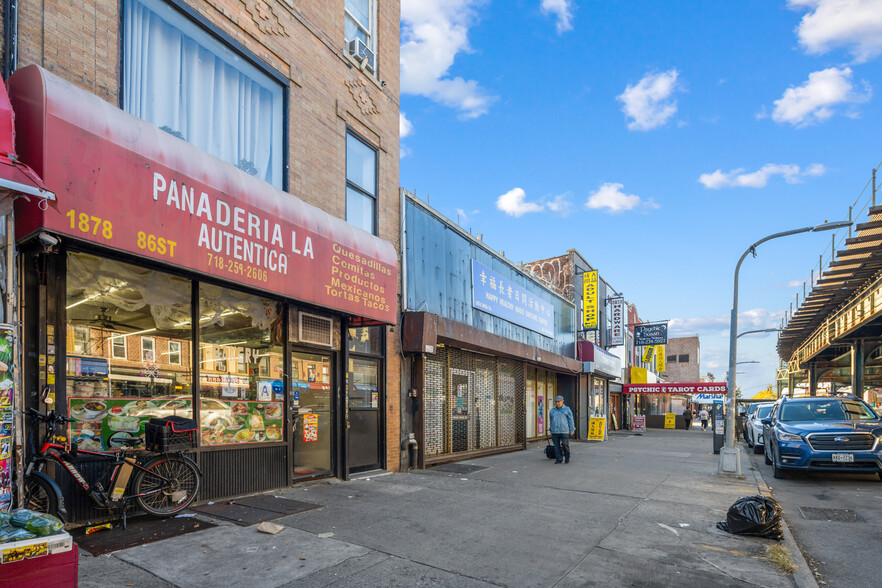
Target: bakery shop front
[162, 281]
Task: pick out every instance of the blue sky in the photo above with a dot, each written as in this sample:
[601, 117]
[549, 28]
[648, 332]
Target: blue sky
[660, 139]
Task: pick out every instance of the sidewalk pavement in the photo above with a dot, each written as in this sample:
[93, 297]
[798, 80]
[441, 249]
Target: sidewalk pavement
[635, 510]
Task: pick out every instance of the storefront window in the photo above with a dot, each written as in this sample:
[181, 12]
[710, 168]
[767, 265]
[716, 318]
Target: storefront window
[112, 307]
[365, 340]
[363, 379]
[597, 403]
[239, 330]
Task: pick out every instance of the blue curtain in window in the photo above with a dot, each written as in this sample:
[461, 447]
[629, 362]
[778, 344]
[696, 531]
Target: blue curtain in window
[184, 88]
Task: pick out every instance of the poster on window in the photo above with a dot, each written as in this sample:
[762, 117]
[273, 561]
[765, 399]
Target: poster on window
[541, 420]
[310, 428]
[6, 395]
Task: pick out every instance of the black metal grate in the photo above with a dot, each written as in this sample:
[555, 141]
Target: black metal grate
[841, 515]
[841, 441]
[236, 472]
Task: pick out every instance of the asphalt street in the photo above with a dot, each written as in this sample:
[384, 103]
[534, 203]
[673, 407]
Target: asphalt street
[636, 510]
[841, 541]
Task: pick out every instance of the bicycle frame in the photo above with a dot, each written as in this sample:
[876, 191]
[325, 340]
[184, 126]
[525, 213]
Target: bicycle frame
[97, 492]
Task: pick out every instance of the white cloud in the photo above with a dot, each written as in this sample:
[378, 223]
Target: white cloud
[563, 10]
[465, 217]
[738, 178]
[748, 320]
[513, 203]
[814, 101]
[433, 32]
[405, 127]
[561, 205]
[610, 197]
[855, 24]
[649, 103]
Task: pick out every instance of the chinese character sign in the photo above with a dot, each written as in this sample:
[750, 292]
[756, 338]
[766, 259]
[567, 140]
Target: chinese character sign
[617, 330]
[660, 358]
[589, 299]
[495, 294]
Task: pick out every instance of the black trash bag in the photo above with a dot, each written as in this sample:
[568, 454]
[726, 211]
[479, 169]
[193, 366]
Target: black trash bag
[754, 515]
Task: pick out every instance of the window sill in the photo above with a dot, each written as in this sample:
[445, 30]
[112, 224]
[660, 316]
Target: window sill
[362, 67]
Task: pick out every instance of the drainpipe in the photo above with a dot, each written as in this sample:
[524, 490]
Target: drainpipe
[10, 37]
[413, 448]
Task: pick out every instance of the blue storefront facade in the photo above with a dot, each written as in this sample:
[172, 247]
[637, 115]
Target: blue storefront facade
[486, 347]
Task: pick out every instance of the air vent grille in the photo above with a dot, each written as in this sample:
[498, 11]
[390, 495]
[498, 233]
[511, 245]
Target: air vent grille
[317, 330]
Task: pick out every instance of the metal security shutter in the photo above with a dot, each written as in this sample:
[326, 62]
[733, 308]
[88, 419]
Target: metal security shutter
[485, 402]
[511, 395]
[434, 402]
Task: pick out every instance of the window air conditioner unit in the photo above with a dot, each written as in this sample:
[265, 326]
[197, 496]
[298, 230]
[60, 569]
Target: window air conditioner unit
[362, 53]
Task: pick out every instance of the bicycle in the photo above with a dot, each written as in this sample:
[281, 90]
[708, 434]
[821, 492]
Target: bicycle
[162, 482]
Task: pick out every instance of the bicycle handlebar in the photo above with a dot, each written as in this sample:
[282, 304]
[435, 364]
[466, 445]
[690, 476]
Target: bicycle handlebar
[48, 418]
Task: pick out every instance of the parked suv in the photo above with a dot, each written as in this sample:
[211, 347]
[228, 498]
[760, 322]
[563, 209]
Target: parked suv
[755, 426]
[825, 434]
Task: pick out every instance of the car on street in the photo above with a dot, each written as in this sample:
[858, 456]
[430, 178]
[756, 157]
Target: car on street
[745, 419]
[823, 434]
[755, 426]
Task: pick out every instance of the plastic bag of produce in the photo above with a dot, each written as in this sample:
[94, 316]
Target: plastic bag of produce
[4, 518]
[21, 516]
[16, 534]
[43, 525]
[754, 515]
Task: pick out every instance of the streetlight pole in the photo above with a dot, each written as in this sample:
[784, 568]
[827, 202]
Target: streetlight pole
[730, 456]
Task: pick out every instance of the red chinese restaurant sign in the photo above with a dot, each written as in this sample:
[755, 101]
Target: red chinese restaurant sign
[676, 388]
[123, 184]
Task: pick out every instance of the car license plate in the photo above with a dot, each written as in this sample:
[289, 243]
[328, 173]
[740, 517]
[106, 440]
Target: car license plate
[843, 457]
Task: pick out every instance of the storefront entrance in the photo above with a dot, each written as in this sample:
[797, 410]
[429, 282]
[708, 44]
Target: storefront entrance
[365, 421]
[311, 413]
[615, 403]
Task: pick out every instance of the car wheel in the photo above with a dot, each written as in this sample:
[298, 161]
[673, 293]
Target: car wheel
[757, 448]
[779, 473]
[766, 456]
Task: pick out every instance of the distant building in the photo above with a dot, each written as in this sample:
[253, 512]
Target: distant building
[683, 355]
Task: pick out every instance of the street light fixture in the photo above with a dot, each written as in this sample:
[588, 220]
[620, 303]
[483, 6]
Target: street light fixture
[774, 330]
[730, 456]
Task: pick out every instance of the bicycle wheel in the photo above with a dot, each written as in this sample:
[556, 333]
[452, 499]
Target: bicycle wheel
[166, 485]
[39, 496]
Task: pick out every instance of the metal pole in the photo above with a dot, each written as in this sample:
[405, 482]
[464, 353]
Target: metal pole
[874, 187]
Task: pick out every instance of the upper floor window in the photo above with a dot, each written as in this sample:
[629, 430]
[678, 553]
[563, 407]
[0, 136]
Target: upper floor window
[192, 85]
[359, 21]
[118, 346]
[148, 349]
[361, 184]
[684, 358]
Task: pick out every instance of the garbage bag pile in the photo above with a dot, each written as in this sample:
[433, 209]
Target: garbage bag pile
[754, 515]
[22, 524]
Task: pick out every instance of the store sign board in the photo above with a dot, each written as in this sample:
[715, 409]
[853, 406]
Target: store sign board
[497, 295]
[660, 358]
[607, 363]
[589, 299]
[617, 328]
[639, 424]
[596, 428]
[675, 388]
[670, 420]
[651, 334]
[647, 353]
[122, 183]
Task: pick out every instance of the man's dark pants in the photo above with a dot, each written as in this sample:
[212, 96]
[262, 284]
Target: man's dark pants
[561, 446]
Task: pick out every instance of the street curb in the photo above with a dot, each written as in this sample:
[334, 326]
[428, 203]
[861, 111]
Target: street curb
[803, 576]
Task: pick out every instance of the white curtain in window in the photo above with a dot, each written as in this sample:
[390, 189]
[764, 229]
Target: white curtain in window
[185, 89]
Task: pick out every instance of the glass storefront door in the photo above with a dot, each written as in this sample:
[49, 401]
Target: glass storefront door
[312, 413]
[364, 415]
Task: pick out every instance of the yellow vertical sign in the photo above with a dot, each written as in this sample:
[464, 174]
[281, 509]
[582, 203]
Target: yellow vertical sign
[647, 353]
[660, 358]
[596, 428]
[589, 299]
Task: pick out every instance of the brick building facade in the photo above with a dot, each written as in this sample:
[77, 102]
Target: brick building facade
[332, 107]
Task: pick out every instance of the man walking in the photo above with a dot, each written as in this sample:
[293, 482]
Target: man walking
[704, 416]
[687, 416]
[561, 425]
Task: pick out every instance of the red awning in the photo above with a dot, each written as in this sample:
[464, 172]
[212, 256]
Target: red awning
[16, 178]
[124, 184]
[676, 388]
